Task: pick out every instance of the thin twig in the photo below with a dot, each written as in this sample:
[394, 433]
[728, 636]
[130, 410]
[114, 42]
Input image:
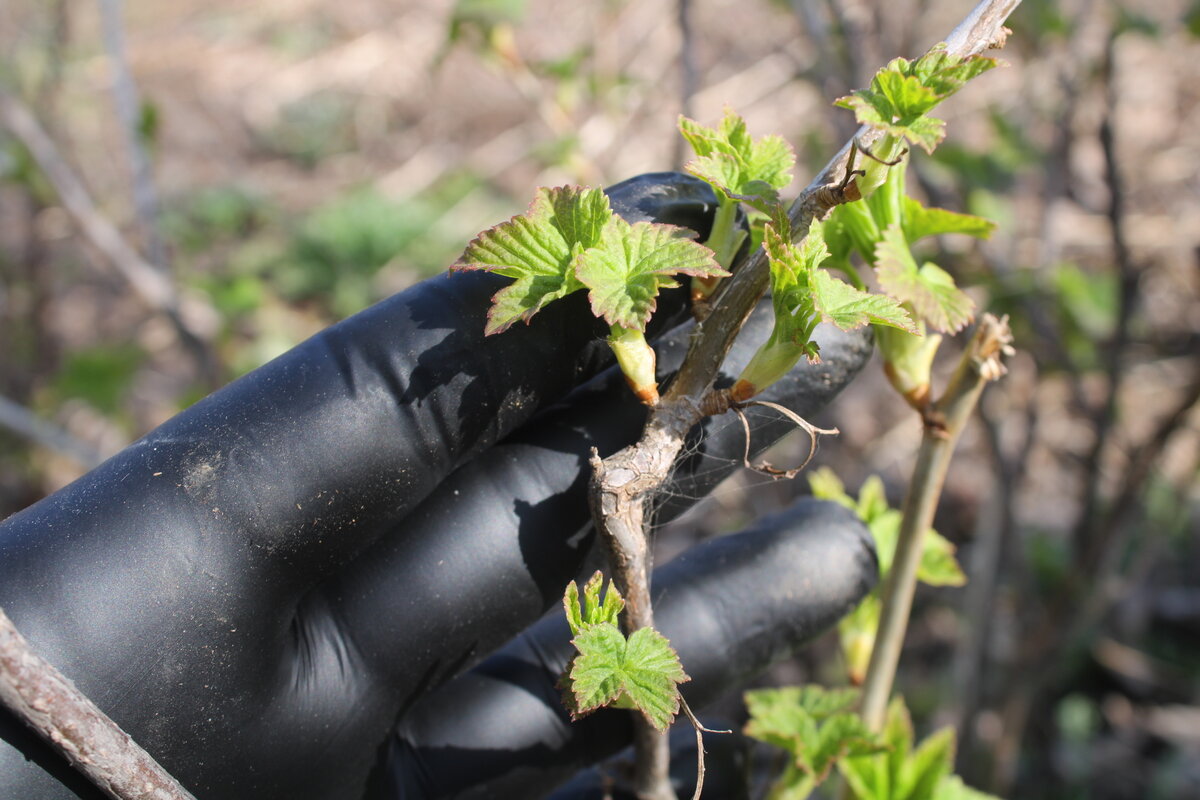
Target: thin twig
[988, 554]
[58, 712]
[129, 110]
[700, 731]
[1114, 352]
[812, 430]
[944, 421]
[1084, 604]
[25, 423]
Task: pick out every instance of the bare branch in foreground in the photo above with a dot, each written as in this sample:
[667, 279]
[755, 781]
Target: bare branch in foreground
[58, 712]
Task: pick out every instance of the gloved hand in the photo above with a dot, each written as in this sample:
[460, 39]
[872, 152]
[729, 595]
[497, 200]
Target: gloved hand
[270, 591]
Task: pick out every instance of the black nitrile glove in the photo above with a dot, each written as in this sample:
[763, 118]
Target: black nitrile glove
[268, 591]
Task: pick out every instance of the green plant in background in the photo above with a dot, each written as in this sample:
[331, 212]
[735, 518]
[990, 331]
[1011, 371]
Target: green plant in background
[938, 566]
[819, 730]
[817, 727]
[99, 375]
[903, 772]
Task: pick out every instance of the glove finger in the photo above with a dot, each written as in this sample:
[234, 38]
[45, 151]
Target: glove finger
[731, 607]
[493, 548]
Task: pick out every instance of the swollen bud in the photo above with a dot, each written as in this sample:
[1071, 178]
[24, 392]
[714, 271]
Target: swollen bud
[637, 361]
[908, 362]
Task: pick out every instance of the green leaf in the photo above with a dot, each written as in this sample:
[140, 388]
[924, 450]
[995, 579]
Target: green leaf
[938, 565]
[792, 267]
[812, 724]
[872, 500]
[814, 701]
[945, 73]
[927, 766]
[851, 227]
[826, 485]
[847, 308]
[908, 361]
[928, 289]
[902, 773]
[898, 736]
[856, 634]
[591, 611]
[903, 92]
[642, 669]
[536, 249]
[629, 264]
[919, 222]
[751, 170]
[952, 787]
[596, 673]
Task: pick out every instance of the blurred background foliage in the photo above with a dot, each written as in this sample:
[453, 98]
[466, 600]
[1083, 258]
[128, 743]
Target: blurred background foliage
[303, 159]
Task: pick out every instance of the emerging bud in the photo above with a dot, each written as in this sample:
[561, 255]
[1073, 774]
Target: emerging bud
[636, 359]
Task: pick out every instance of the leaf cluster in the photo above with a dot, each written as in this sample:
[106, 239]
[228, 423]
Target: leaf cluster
[641, 671]
[905, 772]
[570, 239]
[737, 166]
[882, 229]
[902, 93]
[816, 726]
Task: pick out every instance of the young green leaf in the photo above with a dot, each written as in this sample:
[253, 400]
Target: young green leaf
[536, 249]
[812, 724]
[946, 73]
[774, 708]
[918, 222]
[826, 485]
[928, 765]
[847, 308]
[908, 361]
[856, 634]
[902, 773]
[629, 264]
[872, 500]
[642, 669]
[903, 92]
[742, 168]
[928, 289]
[952, 787]
[589, 612]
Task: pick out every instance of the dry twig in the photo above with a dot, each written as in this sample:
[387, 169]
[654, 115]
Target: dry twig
[58, 712]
